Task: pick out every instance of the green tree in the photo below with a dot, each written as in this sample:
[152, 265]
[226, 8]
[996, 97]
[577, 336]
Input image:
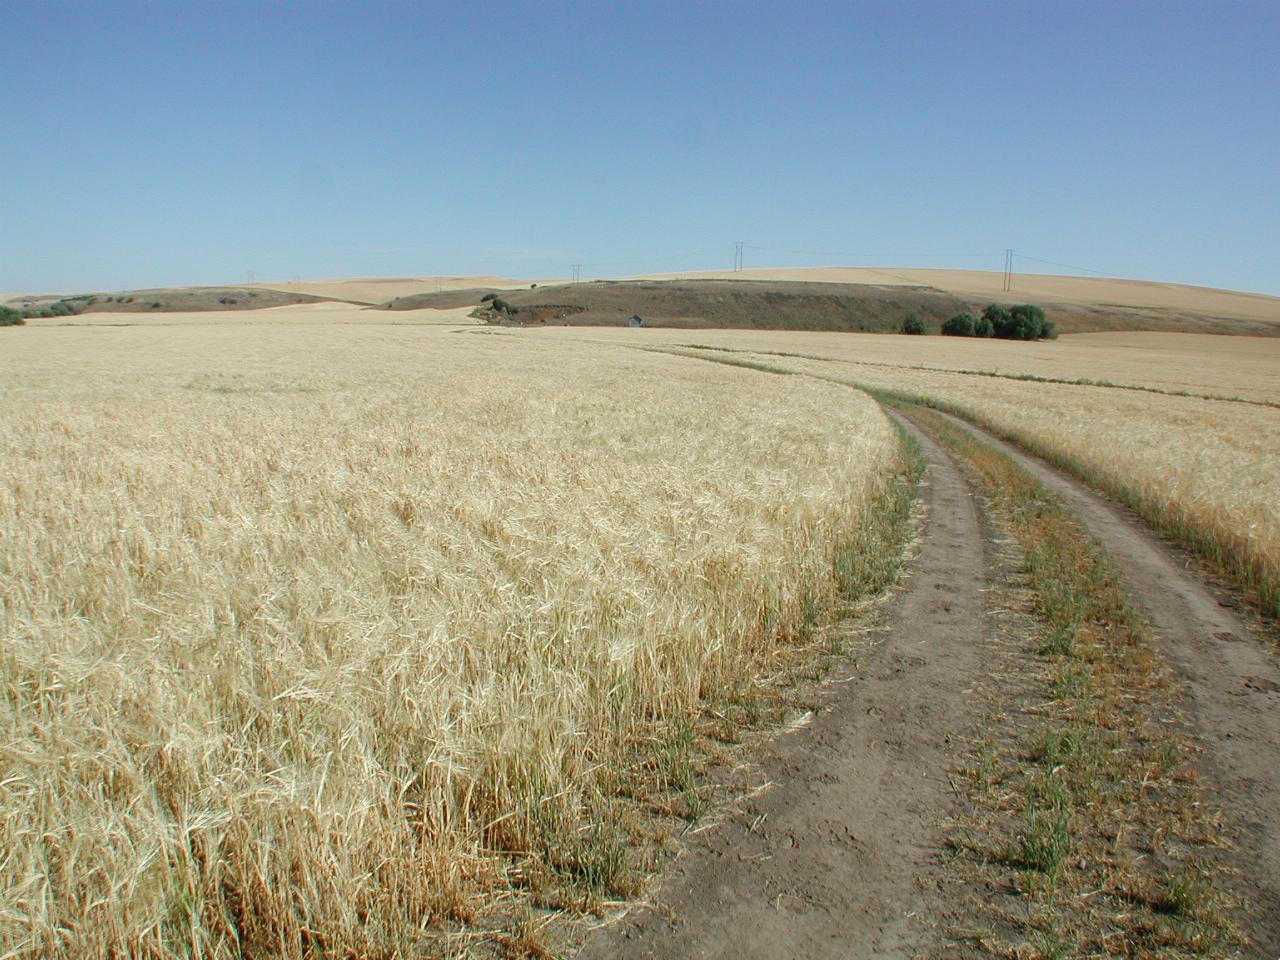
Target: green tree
[1028, 322]
[1001, 320]
[961, 325]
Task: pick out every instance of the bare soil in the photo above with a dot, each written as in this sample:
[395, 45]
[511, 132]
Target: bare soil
[838, 858]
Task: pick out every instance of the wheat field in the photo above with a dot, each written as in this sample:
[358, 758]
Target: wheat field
[1205, 472]
[317, 636]
[1185, 428]
[1172, 363]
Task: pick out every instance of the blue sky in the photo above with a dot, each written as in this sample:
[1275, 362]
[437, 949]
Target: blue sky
[198, 142]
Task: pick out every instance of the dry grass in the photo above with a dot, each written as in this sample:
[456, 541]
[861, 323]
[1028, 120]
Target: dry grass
[318, 637]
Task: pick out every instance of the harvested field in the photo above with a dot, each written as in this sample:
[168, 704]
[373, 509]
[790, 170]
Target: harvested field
[323, 638]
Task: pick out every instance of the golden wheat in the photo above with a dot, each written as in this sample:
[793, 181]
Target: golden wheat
[308, 627]
[1204, 471]
[1169, 362]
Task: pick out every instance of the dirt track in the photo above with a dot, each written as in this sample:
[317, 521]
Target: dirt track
[836, 859]
[1233, 685]
[839, 857]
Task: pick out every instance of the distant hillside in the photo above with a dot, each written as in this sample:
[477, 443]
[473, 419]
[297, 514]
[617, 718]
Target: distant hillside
[1130, 297]
[720, 303]
[815, 298]
[172, 299]
[801, 305]
[371, 290]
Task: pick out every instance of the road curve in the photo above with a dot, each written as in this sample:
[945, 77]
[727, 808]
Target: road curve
[836, 859]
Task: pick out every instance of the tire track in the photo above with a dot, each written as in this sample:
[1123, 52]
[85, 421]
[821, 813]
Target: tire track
[1232, 685]
[838, 858]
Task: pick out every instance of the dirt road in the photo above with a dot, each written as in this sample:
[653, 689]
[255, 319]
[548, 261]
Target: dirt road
[837, 859]
[1232, 684]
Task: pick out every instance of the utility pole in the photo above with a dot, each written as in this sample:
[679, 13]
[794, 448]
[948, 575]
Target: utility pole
[1008, 269]
[737, 256]
[577, 272]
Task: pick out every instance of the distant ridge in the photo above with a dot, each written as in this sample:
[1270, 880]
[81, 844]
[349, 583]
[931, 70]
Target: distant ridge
[702, 298]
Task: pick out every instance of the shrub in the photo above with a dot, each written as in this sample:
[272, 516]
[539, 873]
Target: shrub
[1033, 318]
[1028, 322]
[488, 297]
[11, 318]
[1001, 320]
[982, 327]
[961, 325]
[500, 304]
[913, 324]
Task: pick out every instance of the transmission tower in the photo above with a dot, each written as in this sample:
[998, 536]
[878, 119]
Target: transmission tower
[737, 255]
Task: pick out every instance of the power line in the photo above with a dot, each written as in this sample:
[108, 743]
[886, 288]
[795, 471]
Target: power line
[740, 247]
[1068, 266]
[871, 256]
[652, 259]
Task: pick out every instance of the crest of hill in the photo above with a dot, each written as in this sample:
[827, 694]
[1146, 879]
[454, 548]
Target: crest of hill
[376, 290]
